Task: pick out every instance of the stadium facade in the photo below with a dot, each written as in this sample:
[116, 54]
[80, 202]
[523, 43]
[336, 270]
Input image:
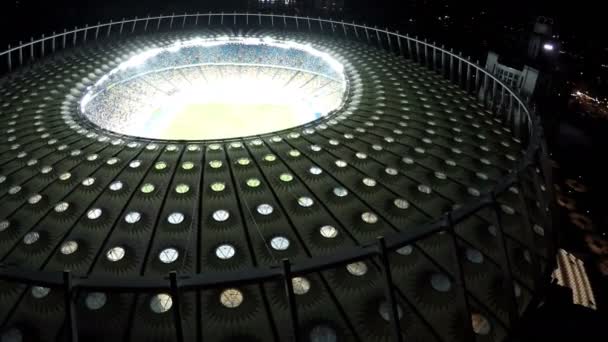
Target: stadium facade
[414, 207]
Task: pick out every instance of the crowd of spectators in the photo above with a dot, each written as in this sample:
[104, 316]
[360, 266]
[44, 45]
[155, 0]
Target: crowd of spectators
[145, 85]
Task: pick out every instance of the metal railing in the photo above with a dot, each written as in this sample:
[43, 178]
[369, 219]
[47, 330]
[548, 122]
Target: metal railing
[495, 96]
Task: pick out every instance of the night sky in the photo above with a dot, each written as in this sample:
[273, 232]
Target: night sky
[472, 27]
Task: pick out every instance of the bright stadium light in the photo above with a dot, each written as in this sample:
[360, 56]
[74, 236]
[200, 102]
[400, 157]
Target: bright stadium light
[548, 47]
[225, 87]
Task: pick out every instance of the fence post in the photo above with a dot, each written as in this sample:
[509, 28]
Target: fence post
[444, 71]
[134, 24]
[109, 28]
[42, 43]
[184, 20]
[31, 48]
[247, 18]
[417, 49]
[469, 74]
[502, 98]
[460, 279]
[196, 20]
[20, 53]
[320, 24]
[75, 36]
[291, 299]
[297, 23]
[209, 19]
[260, 18]
[409, 46]
[528, 229]
[388, 291]
[171, 21]
[507, 269]
[234, 19]
[122, 25]
[356, 31]
[177, 312]
[378, 36]
[344, 28]
[477, 76]
[222, 19]
[493, 93]
[86, 31]
[452, 64]
[97, 30]
[63, 38]
[70, 313]
[160, 17]
[8, 56]
[53, 42]
[434, 55]
[460, 69]
[309, 25]
[284, 21]
[426, 52]
[271, 19]
[388, 38]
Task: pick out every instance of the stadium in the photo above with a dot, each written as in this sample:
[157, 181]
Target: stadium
[256, 177]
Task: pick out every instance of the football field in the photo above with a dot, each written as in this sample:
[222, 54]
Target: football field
[222, 120]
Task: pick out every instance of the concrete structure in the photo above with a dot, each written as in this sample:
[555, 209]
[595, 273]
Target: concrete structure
[523, 81]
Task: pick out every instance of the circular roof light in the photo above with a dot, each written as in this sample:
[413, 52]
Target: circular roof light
[168, 255]
[358, 268]
[34, 199]
[95, 300]
[231, 298]
[218, 186]
[161, 303]
[94, 214]
[221, 215]
[176, 218]
[61, 207]
[115, 254]
[265, 209]
[69, 247]
[132, 217]
[305, 202]
[481, 325]
[440, 282]
[31, 238]
[328, 231]
[253, 182]
[116, 186]
[370, 218]
[401, 203]
[301, 285]
[147, 188]
[40, 292]
[182, 188]
[4, 225]
[279, 243]
[286, 177]
[225, 251]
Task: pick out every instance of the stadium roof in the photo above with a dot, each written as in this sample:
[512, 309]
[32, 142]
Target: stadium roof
[406, 147]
